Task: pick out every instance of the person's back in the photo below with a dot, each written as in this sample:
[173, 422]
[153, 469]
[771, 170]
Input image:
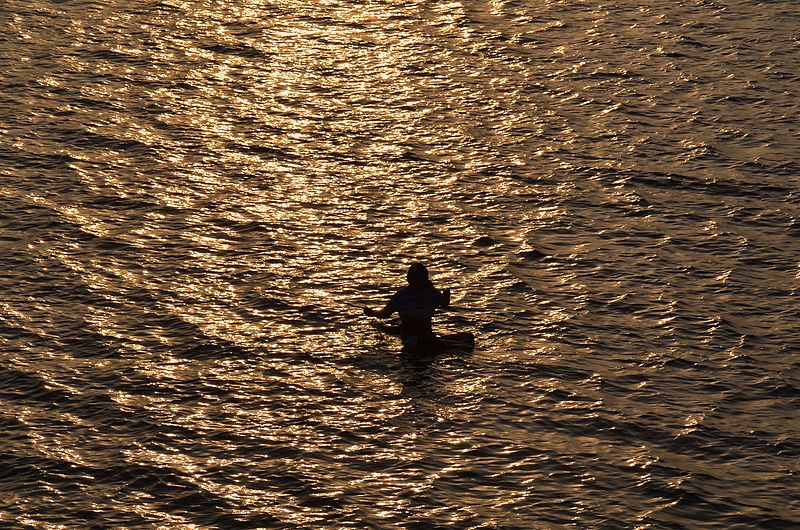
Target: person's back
[416, 305]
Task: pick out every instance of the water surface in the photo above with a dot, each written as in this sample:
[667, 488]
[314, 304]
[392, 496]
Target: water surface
[197, 197]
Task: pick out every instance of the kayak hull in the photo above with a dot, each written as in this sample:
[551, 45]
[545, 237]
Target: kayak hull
[464, 341]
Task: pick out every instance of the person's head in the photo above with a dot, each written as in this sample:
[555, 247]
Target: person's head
[417, 276]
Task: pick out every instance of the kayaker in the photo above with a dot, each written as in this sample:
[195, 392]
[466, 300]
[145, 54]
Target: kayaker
[416, 305]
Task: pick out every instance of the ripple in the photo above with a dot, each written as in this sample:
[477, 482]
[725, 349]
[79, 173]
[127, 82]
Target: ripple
[199, 199]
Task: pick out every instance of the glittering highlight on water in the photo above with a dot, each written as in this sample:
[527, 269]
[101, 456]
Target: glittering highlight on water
[197, 197]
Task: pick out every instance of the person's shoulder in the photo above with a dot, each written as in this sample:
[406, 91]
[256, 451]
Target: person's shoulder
[400, 292]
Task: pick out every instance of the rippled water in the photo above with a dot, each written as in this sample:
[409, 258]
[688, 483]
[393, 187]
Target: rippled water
[197, 197]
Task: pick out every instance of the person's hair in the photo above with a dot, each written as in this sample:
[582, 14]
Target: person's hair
[417, 276]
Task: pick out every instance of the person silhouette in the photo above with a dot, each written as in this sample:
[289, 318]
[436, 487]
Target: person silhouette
[416, 304]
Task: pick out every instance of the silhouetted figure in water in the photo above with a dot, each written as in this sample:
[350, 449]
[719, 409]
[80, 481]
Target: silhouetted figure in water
[416, 305]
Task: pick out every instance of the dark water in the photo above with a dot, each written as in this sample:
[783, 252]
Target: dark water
[195, 198]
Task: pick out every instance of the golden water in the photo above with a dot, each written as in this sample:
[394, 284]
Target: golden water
[197, 196]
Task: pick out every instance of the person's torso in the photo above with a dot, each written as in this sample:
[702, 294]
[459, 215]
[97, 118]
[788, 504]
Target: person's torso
[416, 308]
[417, 303]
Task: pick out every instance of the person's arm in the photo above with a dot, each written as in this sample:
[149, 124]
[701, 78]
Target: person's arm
[386, 312]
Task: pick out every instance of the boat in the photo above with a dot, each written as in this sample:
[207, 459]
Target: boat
[464, 341]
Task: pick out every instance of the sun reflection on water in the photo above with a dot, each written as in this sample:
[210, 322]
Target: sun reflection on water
[202, 196]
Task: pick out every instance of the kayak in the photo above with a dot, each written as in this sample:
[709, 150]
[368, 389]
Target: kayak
[449, 342]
